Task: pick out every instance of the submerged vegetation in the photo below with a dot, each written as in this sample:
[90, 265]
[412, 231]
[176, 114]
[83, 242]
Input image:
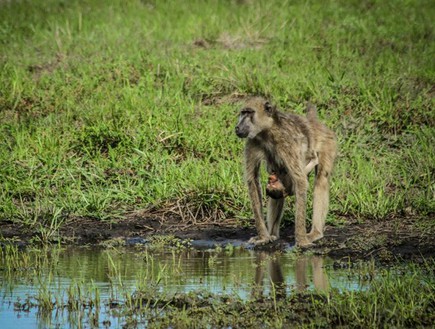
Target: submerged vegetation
[401, 296]
[127, 106]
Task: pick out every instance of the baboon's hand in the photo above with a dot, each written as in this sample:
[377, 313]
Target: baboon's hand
[260, 240]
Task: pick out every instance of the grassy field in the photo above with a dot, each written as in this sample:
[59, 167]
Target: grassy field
[111, 107]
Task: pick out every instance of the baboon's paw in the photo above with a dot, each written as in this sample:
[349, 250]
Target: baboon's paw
[314, 236]
[304, 244]
[273, 238]
[260, 240]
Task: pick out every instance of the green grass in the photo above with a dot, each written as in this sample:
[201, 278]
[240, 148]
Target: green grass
[112, 107]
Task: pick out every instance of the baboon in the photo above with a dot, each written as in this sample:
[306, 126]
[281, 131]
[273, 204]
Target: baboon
[270, 264]
[292, 146]
[304, 265]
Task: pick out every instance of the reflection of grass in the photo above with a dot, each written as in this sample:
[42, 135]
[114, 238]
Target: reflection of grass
[393, 300]
[401, 296]
[168, 242]
[107, 109]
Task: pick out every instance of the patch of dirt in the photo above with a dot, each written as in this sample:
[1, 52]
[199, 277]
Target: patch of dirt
[47, 67]
[398, 238]
[233, 42]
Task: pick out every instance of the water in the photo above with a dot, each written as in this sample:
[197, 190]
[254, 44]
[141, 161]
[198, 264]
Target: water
[29, 278]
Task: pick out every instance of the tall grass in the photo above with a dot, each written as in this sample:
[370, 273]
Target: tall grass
[111, 107]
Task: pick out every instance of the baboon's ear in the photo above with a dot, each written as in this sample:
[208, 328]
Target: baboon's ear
[269, 108]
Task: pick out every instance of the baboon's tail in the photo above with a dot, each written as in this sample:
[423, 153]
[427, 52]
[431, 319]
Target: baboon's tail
[311, 112]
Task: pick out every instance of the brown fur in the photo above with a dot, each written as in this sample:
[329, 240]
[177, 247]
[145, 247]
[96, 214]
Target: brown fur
[291, 145]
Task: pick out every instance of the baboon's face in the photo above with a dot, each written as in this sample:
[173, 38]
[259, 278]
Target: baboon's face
[246, 126]
[255, 117]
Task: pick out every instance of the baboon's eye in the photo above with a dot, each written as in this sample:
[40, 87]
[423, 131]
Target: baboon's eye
[268, 107]
[247, 110]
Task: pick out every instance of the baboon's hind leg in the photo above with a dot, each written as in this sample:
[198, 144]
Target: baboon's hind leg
[320, 202]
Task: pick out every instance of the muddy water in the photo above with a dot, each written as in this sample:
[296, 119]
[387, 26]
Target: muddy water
[109, 276]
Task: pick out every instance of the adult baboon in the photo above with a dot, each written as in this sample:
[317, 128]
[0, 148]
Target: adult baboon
[291, 145]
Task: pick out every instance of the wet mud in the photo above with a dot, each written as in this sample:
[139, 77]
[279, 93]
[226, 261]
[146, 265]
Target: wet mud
[408, 238]
[394, 239]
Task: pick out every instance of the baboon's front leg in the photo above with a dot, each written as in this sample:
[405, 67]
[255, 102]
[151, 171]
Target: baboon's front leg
[255, 196]
[252, 163]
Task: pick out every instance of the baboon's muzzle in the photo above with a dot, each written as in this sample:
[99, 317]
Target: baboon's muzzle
[242, 133]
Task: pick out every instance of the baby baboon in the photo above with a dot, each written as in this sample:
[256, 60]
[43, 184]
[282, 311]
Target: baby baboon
[274, 187]
[291, 145]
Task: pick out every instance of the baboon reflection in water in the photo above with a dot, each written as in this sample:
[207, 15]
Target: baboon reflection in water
[271, 264]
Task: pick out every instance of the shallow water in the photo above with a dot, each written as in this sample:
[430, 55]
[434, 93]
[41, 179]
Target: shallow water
[30, 277]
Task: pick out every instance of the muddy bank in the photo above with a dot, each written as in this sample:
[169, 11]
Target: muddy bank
[388, 240]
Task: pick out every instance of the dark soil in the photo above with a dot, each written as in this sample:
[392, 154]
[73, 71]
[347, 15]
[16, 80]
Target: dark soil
[387, 240]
